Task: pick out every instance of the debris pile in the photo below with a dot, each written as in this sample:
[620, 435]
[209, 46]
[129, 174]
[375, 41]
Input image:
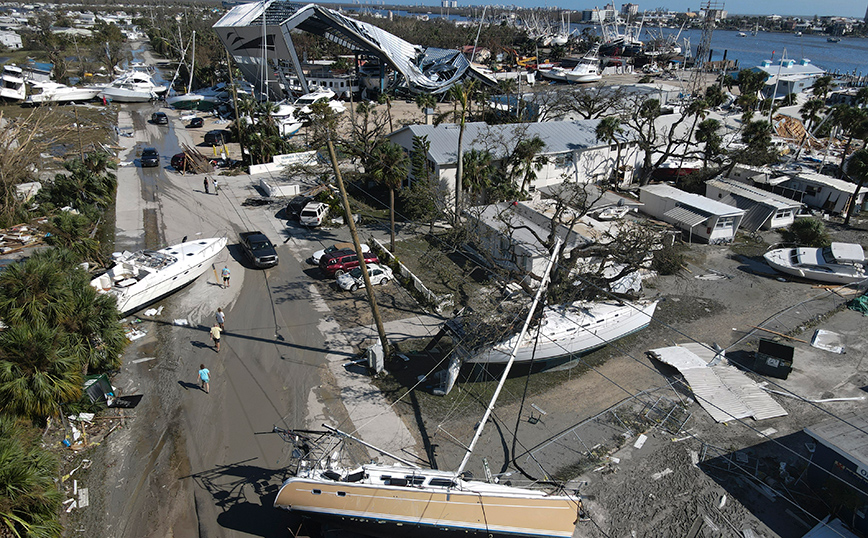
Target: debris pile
[20, 237]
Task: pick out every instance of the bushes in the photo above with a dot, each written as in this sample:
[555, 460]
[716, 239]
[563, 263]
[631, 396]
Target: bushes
[669, 259]
[809, 232]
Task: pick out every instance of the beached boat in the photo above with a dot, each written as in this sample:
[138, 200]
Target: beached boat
[138, 279]
[132, 87]
[587, 70]
[54, 92]
[407, 501]
[12, 83]
[839, 263]
[569, 329]
[204, 100]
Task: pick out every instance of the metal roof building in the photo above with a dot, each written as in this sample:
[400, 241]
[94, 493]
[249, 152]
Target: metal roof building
[259, 37]
[697, 215]
[763, 209]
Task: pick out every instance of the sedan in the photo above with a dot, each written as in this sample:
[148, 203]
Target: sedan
[380, 274]
[160, 118]
[150, 157]
[334, 248]
[196, 122]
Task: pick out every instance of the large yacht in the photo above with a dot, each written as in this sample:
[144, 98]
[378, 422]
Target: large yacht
[12, 87]
[54, 92]
[132, 87]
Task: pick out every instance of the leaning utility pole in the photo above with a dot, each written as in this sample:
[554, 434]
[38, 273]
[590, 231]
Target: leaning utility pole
[369, 288]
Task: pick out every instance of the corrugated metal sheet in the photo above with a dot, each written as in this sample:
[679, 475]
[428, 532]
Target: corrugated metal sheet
[722, 390]
[756, 216]
[685, 216]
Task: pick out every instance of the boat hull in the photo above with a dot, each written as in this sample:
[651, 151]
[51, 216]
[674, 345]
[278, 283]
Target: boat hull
[600, 324]
[194, 258]
[394, 511]
[127, 96]
[66, 96]
[780, 260]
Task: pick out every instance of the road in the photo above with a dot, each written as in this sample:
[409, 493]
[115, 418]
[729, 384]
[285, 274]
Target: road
[197, 464]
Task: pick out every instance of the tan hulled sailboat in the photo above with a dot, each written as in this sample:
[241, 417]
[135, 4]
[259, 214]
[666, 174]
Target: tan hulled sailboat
[405, 500]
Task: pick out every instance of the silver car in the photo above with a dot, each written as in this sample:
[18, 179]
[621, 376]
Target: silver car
[380, 274]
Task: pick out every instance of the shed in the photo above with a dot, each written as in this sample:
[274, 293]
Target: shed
[698, 216]
[763, 210]
[841, 460]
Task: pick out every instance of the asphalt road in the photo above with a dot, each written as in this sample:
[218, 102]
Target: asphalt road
[197, 464]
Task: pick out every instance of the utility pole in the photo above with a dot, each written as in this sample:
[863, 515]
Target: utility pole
[369, 288]
[235, 102]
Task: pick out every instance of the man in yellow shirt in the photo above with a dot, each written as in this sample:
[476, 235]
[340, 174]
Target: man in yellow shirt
[215, 335]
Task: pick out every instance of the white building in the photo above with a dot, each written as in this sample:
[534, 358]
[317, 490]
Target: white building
[821, 192]
[697, 216]
[572, 151]
[763, 209]
[10, 40]
[788, 76]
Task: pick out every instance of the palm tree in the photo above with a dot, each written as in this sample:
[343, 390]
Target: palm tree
[810, 113]
[425, 100]
[386, 99]
[822, 86]
[527, 161]
[477, 172]
[389, 168]
[854, 122]
[608, 131]
[462, 95]
[707, 133]
[38, 371]
[29, 498]
[856, 168]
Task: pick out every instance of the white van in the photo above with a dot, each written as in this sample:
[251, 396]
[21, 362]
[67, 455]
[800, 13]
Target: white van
[313, 214]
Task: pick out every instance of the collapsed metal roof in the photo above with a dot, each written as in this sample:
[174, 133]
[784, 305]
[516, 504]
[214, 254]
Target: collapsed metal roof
[419, 69]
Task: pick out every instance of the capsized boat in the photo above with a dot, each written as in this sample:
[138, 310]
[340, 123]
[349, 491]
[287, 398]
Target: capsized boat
[133, 87]
[567, 330]
[406, 501]
[140, 278]
[839, 263]
[54, 92]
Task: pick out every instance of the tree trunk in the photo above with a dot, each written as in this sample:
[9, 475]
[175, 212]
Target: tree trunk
[459, 173]
[853, 201]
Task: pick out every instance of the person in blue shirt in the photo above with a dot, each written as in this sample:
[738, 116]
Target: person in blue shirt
[204, 378]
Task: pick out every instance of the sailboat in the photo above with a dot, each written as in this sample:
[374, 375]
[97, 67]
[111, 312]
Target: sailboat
[406, 500]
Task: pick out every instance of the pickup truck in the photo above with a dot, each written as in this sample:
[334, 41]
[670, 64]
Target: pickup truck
[258, 248]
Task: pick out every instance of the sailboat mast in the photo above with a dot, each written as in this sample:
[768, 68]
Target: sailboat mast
[192, 63]
[539, 292]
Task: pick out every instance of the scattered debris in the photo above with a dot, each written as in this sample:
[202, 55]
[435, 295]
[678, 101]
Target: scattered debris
[181, 322]
[151, 312]
[827, 341]
[640, 441]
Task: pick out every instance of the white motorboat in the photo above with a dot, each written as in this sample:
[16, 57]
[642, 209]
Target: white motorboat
[138, 279]
[839, 263]
[132, 87]
[290, 117]
[587, 70]
[569, 329]
[12, 83]
[54, 92]
[404, 500]
[557, 73]
[206, 99]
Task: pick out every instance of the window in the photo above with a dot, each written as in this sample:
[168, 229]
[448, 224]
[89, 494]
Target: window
[563, 160]
[441, 482]
[316, 491]
[724, 222]
[783, 214]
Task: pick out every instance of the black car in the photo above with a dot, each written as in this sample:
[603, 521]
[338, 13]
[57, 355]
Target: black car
[196, 122]
[217, 137]
[180, 162]
[150, 157]
[294, 207]
[160, 118]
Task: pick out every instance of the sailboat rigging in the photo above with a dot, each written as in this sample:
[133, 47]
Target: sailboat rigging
[405, 500]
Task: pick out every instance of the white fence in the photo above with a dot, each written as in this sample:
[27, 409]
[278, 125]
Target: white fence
[440, 302]
[278, 162]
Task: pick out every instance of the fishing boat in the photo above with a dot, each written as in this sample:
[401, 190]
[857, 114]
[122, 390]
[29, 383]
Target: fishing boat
[407, 501]
[54, 92]
[741, 34]
[140, 278]
[569, 329]
[12, 83]
[839, 263]
[833, 39]
[587, 70]
[204, 100]
[132, 87]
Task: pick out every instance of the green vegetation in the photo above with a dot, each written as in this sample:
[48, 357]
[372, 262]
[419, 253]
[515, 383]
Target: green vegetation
[808, 232]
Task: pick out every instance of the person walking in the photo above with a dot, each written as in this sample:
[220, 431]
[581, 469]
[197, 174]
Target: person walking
[204, 378]
[220, 319]
[215, 335]
[225, 273]
[216, 187]
[205, 181]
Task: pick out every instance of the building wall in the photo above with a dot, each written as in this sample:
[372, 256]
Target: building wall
[10, 40]
[709, 230]
[823, 197]
[781, 219]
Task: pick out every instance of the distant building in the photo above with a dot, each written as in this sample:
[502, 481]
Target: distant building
[787, 76]
[629, 10]
[10, 40]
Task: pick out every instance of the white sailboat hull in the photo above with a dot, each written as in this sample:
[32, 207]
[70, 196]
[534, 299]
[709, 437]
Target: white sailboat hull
[570, 330]
[374, 507]
[141, 278]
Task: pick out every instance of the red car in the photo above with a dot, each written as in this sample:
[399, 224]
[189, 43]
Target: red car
[339, 262]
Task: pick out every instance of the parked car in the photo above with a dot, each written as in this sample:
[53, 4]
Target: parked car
[294, 207]
[337, 246]
[217, 137]
[379, 274]
[181, 162]
[196, 122]
[342, 261]
[150, 157]
[160, 118]
[258, 248]
[313, 214]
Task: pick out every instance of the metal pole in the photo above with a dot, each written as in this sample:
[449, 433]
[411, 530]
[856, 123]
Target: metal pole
[372, 447]
[539, 292]
[369, 288]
